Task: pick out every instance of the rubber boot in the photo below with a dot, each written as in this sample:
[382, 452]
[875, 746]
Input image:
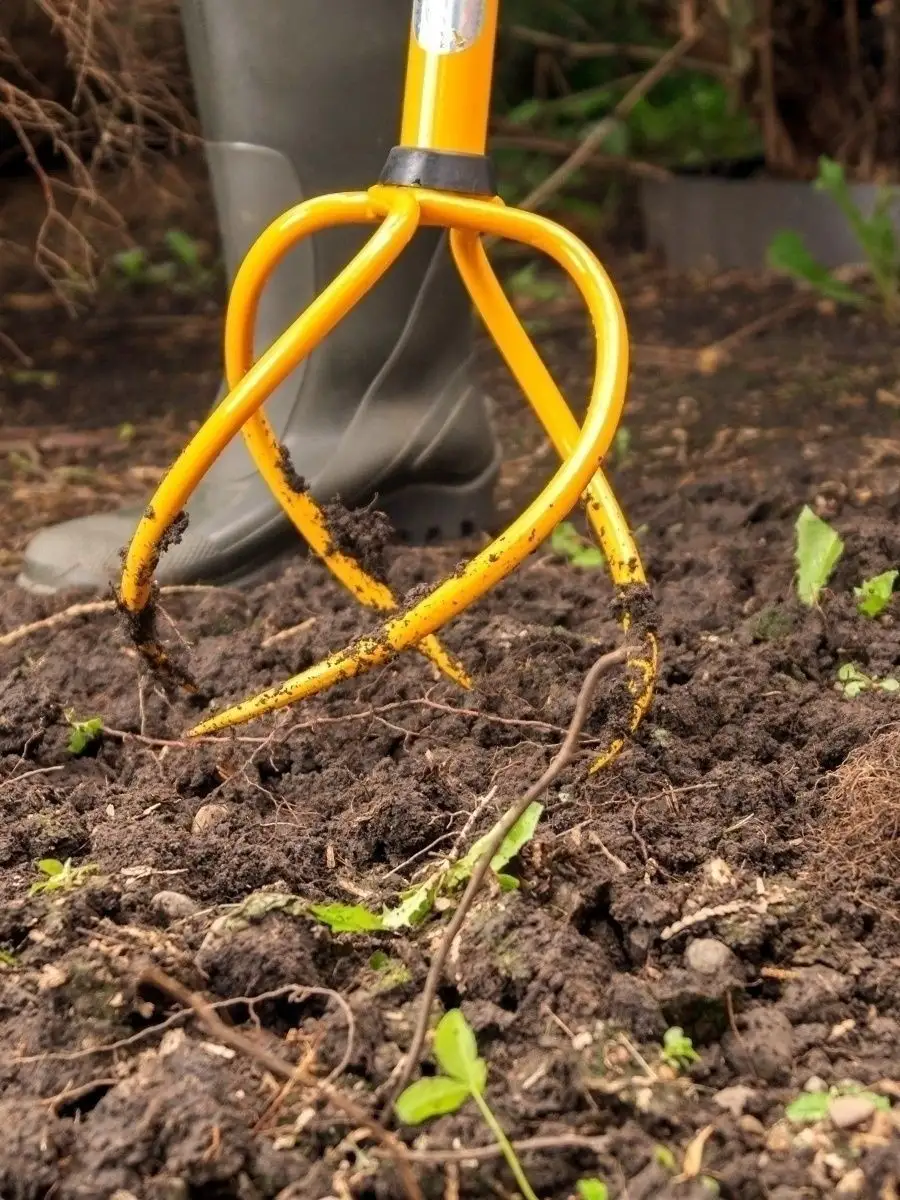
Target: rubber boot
[298, 98]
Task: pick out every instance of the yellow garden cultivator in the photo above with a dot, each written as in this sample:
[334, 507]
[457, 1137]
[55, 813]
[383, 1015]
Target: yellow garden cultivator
[439, 175]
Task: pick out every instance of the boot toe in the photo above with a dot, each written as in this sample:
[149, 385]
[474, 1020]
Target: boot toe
[83, 554]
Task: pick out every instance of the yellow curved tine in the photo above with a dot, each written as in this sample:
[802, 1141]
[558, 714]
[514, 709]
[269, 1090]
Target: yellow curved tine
[560, 495]
[257, 382]
[281, 236]
[604, 513]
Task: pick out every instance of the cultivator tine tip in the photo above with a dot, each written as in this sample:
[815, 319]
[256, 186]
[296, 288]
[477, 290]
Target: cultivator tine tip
[400, 211]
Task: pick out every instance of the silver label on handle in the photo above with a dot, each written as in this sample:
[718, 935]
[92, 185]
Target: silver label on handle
[447, 26]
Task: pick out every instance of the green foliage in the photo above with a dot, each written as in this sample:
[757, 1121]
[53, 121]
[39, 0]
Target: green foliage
[182, 271]
[59, 876]
[677, 1049]
[464, 1078]
[811, 1107]
[416, 903]
[84, 734]
[874, 595]
[817, 551]
[874, 232]
[592, 1189]
[529, 283]
[346, 918]
[788, 254]
[852, 682]
[580, 551]
[7, 959]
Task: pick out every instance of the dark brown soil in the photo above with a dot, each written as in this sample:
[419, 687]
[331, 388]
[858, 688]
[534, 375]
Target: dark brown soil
[685, 886]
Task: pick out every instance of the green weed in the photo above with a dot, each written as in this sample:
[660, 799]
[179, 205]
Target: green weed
[874, 232]
[464, 1079]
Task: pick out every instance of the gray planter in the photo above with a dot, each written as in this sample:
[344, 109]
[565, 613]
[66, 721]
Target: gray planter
[709, 224]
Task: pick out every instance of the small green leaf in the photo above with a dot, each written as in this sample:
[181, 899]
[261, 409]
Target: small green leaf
[183, 246]
[874, 595]
[678, 1049]
[592, 1189]
[517, 838]
[818, 549]
[456, 1050]
[131, 263]
[568, 543]
[508, 883]
[51, 866]
[432, 1097]
[808, 1108]
[347, 918]
[415, 905]
[889, 685]
[7, 959]
[788, 254]
[84, 734]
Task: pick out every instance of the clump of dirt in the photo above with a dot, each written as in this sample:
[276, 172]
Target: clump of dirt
[295, 480]
[361, 533]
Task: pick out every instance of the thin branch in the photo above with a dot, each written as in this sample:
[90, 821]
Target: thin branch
[557, 764]
[581, 50]
[598, 133]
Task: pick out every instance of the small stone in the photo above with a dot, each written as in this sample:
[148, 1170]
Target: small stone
[815, 1083]
[51, 977]
[780, 1138]
[172, 906]
[752, 1126]
[718, 872]
[734, 1099]
[849, 1112]
[207, 816]
[852, 1184]
[708, 956]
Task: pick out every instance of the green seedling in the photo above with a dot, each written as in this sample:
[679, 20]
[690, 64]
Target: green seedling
[812, 1107]
[464, 1079]
[592, 1189]
[84, 733]
[7, 959]
[817, 551]
[580, 551]
[875, 233]
[874, 595]
[59, 876]
[677, 1049]
[127, 432]
[852, 682]
[417, 903]
[187, 253]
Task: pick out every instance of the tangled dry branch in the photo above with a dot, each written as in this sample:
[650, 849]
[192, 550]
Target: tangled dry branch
[87, 86]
